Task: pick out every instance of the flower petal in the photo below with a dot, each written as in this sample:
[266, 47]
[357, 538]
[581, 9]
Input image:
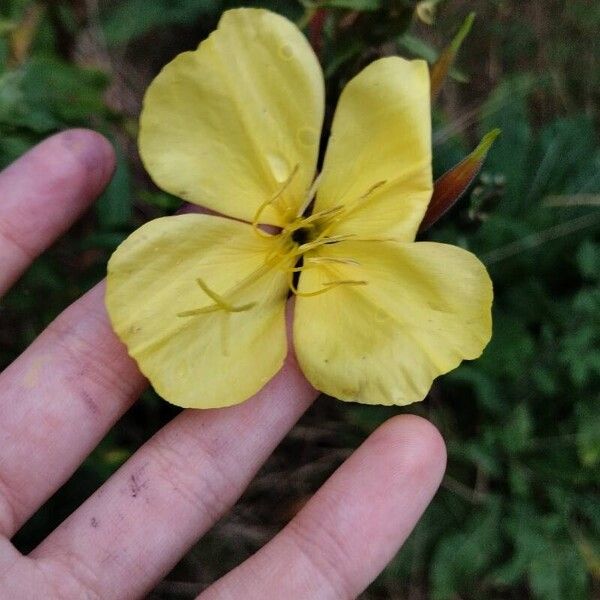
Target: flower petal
[425, 308]
[208, 360]
[378, 162]
[225, 126]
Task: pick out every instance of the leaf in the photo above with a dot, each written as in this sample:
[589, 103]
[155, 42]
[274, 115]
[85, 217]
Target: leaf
[351, 4]
[11, 147]
[22, 36]
[588, 436]
[572, 200]
[507, 109]
[517, 430]
[588, 260]
[421, 49]
[418, 47]
[453, 184]
[461, 560]
[439, 71]
[6, 26]
[345, 49]
[544, 553]
[562, 152]
[47, 94]
[162, 200]
[131, 19]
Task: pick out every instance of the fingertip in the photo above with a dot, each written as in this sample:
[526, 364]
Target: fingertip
[89, 152]
[355, 523]
[415, 445]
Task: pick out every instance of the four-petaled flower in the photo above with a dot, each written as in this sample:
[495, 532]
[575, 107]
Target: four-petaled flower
[199, 300]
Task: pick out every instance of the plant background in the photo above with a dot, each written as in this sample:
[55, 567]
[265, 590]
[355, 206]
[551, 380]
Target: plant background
[518, 514]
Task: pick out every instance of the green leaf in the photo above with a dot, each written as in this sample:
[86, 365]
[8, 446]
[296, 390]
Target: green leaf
[47, 94]
[517, 430]
[546, 555]
[588, 434]
[507, 109]
[419, 48]
[6, 26]
[462, 559]
[350, 4]
[588, 259]
[166, 202]
[130, 19]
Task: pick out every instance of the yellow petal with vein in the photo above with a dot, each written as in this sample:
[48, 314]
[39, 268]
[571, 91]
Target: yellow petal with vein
[225, 126]
[425, 308]
[378, 162]
[212, 359]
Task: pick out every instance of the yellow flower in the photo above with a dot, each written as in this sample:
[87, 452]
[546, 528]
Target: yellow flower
[199, 300]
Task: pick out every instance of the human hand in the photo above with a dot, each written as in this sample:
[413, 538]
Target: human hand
[69, 387]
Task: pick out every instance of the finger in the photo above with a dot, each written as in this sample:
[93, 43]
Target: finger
[138, 525]
[43, 192]
[56, 403]
[353, 526]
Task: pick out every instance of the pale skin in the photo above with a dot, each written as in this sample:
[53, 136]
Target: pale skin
[63, 394]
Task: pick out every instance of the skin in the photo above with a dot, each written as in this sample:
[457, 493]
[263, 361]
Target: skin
[62, 395]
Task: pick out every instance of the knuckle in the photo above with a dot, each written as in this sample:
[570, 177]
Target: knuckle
[193, 472]
[68, 578]
[324, 551]
[15, 242]
[92, 373]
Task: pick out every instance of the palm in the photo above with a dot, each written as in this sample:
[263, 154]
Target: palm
[63, 394]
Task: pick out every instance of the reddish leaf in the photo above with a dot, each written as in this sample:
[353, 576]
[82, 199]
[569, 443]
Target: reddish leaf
[315, 30]
[22, 36]
[454, 183]
[439, 71]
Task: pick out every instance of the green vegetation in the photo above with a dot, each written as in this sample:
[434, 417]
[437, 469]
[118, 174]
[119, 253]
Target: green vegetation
[518, 514]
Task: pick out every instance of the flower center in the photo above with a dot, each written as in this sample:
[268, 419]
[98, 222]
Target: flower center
[301, 236]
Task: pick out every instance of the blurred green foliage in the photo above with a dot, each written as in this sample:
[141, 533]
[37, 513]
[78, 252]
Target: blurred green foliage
[518, 514]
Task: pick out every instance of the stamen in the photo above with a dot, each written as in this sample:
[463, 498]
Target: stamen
[261, 208]
[310, 195]
[286, 251]
[326, 286]
[324, 214]
[337, 282]
[352, 206]
[376, 238]
[317, 260]
[322, 241]
[219, 303]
